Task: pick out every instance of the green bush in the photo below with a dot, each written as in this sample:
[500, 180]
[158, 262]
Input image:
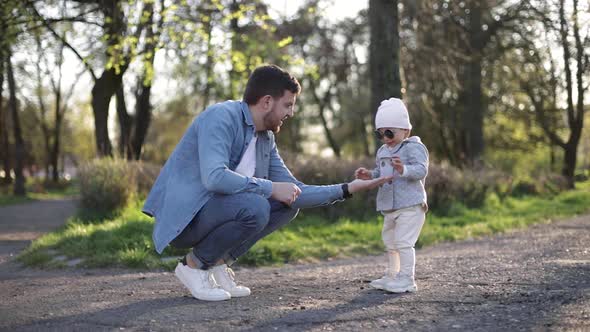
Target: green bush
[447, 185]
[546, 184]
[327, 171]
[144, 174]
[106, 185]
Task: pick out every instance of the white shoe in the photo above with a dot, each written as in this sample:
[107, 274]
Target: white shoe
[200, 283]
[224, 276]
[401, 283]
[380, 283]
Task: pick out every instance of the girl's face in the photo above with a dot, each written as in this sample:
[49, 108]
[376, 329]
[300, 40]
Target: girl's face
[392, 136]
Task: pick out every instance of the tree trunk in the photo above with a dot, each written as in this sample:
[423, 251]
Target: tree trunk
[103, 90]
[235, 36]
[110, 80]
[331, 141]
[55, 150]
[143, 116]
[569, 163]
[19, 145]
[551, 157]
[474, 113]
[474, 106]
[5, 151]
[209, 64]
[125, 122]
[143, 106]
[575, 114]
[383, 53]
[43, 119]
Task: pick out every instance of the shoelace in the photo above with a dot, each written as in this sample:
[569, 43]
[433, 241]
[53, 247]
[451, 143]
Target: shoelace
[230, 275]
[208, 278]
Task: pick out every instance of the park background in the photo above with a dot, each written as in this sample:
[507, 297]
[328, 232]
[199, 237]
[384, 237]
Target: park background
[95, 94]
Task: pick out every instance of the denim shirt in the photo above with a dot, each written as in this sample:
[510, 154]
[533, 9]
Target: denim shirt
[203, 164]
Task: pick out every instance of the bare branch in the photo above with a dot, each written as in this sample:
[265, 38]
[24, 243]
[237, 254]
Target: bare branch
[61, 39]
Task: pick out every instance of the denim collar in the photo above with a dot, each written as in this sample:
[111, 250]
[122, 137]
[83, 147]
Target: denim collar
[247, 114]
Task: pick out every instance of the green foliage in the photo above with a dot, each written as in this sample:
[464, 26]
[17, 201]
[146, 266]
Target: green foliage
[39, 189]
[107, 185]
[167, 128]
[125, 239]
[326, 171]
[122, 241]
[445, 185]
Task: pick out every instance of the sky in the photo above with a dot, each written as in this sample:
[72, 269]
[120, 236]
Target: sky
[336, 9]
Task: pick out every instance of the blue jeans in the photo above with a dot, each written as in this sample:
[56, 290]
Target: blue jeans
[228, 225]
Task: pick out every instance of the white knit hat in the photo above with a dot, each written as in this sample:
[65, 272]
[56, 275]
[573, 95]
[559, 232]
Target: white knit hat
[392, 113]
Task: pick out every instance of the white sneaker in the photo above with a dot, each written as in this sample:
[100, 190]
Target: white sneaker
[380, 283]
[200, 283]
[224, 276]
[401, 283]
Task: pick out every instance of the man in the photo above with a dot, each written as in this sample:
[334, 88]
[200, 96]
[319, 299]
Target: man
[225, 185]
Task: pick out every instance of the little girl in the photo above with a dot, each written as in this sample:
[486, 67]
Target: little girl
[402, 201]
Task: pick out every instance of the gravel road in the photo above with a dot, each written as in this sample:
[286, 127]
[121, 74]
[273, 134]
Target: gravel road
[535, 279]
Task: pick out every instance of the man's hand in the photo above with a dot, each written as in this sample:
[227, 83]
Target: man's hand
[363, 174]
[362, 185]
[285, 192]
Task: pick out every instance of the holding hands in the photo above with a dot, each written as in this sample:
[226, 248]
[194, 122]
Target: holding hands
[362, 185]
[363, 174]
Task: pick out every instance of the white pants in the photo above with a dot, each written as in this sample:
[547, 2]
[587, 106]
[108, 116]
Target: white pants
[401, 229]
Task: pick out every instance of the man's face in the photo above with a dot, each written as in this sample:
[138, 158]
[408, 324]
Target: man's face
[280, 110]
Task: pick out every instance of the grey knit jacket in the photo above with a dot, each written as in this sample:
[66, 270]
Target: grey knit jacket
[408, 189]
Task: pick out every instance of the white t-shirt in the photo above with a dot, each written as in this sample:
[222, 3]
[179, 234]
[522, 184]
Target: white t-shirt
[247, 165]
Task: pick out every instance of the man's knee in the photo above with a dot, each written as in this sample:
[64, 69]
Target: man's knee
[255, 212]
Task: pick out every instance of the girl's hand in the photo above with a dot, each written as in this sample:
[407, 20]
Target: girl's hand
[363, 174]
[396, 162]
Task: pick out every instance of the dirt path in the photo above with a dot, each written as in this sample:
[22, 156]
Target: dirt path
[538, 279]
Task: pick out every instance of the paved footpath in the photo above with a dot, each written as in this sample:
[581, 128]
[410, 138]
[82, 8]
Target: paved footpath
[536, 279]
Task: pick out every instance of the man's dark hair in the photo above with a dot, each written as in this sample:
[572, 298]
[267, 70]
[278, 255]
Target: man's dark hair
[269, 80]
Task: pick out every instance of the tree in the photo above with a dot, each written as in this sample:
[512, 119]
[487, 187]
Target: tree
[384, 50]
[544, 90]
[19, 144]
[4, 143]
[10, 28]
[120, 37]
[332, 75]
[133, 129]
[450, 49]
[54, 74]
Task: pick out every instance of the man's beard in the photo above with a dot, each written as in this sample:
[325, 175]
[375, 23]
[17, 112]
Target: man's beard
[271, 124]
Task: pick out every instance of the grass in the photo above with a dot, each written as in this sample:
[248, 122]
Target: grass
[36, 191]
[124, 239]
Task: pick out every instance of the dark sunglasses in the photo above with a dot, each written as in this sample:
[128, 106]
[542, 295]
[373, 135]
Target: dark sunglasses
[387, 133]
